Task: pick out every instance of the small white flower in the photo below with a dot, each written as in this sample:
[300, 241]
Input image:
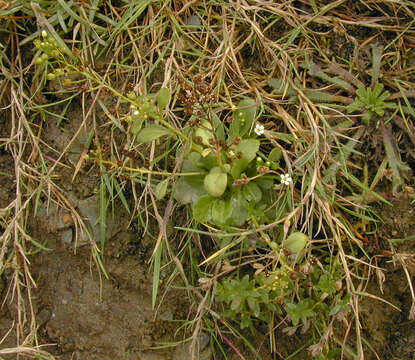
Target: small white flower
[259, 129]
[136, 113]
[44, 34]
[286, 179]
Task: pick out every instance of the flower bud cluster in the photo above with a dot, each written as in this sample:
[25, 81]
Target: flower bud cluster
[275, 280]
[48, 47]
[144, 110]
[49, 50]
[264, 167]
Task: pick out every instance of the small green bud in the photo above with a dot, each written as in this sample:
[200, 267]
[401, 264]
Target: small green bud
[38, 60]
[44, 34]
[44, 57]
[267, 163]
[59, 72]
[67, 82]
[51, 76]
[259, 160]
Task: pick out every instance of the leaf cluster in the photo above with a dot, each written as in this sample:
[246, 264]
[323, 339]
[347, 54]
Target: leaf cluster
[148, 108]
[371, 102]
[312, 293]
[245, 300]
[231, 186]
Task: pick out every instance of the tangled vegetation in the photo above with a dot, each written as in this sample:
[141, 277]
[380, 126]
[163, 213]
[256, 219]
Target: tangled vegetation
[256, 143]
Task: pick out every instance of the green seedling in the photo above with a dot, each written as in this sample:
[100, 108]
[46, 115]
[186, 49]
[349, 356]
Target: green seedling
[353, 96]
[371, 102]
[301, 294]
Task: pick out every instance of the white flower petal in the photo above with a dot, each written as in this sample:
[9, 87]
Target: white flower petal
[286, 179]
[259, 129]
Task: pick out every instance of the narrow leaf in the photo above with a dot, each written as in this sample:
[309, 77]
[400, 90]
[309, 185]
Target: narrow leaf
[161, 189]
[153, 132]
[163, 98]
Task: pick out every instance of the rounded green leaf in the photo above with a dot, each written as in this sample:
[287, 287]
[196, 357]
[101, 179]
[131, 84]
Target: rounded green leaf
[248, 148]
[275, 155]
[221, 211]
[215, 183]
[187, 191]
[204, 132]
[252, 192]
[202, 208]
[296, 242]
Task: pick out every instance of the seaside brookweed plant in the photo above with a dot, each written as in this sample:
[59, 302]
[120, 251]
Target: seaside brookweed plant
[234, 175]
[234, 184]
[231, 171]
[231, 177]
